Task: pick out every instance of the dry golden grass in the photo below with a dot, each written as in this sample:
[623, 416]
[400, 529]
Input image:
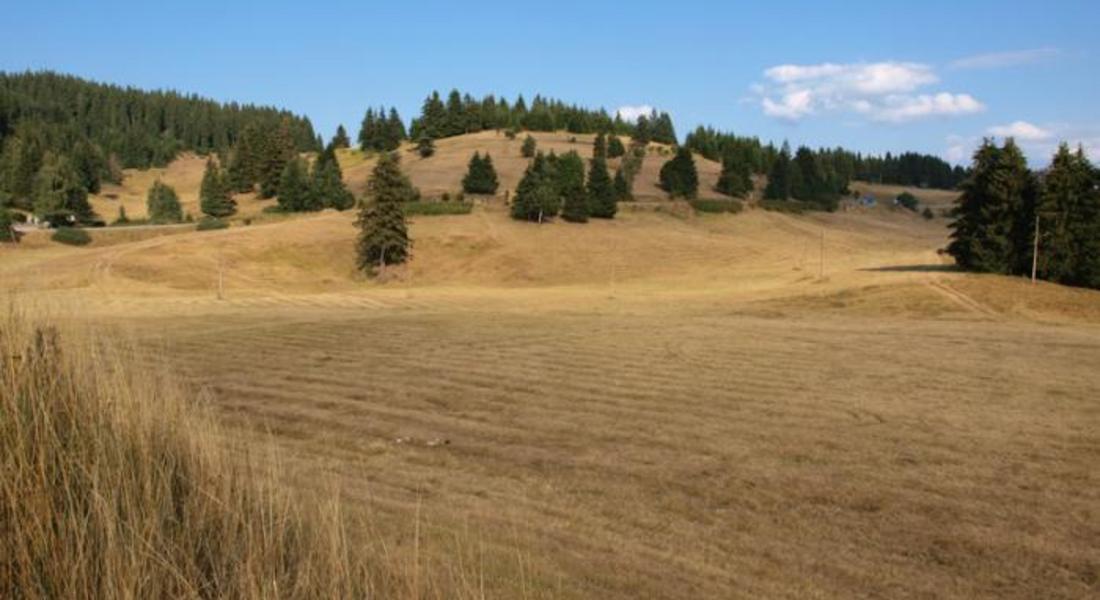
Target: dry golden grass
[658, 406]
[937, 200]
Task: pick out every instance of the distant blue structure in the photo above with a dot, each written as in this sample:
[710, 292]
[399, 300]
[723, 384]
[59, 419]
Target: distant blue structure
[868, 201]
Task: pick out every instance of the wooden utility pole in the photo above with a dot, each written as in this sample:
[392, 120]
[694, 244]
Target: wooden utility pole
[821, 267]
[1035, 252]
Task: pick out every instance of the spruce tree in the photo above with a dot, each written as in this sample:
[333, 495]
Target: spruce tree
[163, 205]
[7, 227]
[529, 147]
[615, 147]
[990, 213]
[1064, 218]
[622, 187]
[601, 191]
[679, 177]
[341, 140]
[425, 145]
[779, 177]
[214, 195]
[59, 195]
[294, 190]
[481, 177]
[383, 234]
[537, 197]
[599, 147]
[735, 179]
[326, 184]
[278, 149]
[569, 181]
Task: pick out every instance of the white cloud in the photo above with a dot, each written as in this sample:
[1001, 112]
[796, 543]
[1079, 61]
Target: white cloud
[959, 149]
[631, 113]
[883, 91]
[997, 60]
[1022, 131]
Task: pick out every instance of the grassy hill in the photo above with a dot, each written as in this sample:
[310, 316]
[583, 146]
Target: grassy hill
[661, 405]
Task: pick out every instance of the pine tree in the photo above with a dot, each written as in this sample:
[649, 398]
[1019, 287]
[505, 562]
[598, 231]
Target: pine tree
[59, 195]
[341, 140]
[425, 145]
[326, 184]
[779, 177]
[1065, 221]
[163, 205]
[294, 191]
[383, 234]
[214, 196]
[569, 181]
[481, 177]
[537, 197]
[736, 178]
[276, 152]
[622, 187]
[599, 147]
[986, 233]
[679, 177]
[601, 191]
[529, 147]
[394, 132]
[615, 147]
[7, 227]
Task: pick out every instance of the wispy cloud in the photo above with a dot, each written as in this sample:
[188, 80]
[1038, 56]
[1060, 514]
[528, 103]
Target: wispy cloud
[631, 113]
[998, 60]
[883, 91]
[1022, 131]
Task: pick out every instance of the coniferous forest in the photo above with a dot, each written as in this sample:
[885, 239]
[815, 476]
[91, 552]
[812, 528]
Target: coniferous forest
[61, 136]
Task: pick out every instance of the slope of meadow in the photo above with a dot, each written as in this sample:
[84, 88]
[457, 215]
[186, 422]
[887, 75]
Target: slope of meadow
[660, 406]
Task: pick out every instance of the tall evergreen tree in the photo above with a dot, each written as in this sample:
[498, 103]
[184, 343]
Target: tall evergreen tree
[1067, 214]
[779, 178]
[278, 149]
[736, 176]
[162, 204]
[537, 197]
[679, 177]
[601, 191]
[215, 199]
[622, 187]
[599, 147]
[615, 147]
[59, 195]
[986, 233]
[326, 184]
[341, 140]
[294, 190]
[481, 177]
[383, 234]
[569, 181]
[529, 147]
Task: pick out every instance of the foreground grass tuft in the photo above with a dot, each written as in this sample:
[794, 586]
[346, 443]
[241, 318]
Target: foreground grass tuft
[114, 487]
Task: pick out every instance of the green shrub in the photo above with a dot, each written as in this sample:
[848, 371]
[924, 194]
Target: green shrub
[788, 206]
[437, 208]
[927, 214]
[210, 224]
[907, 200]
[7, 229]
[717, 206]
[71, 236]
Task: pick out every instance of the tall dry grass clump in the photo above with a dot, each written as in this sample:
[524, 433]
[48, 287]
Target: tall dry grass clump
[114, 486]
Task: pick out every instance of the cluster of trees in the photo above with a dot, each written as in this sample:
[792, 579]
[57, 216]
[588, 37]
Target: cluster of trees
[1006, 213]
[462, 113]
[481, 177]
[679, 177]
[909, 169]
[554, 185]
[818, 179]
[381, 131]
[304, 189]
[59, 133]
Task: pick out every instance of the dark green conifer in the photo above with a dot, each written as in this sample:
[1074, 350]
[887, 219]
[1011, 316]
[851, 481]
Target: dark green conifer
[599, 147]
[601, 191]
[383, 234]
[425, 145]
[481, 177]
[59, 195]
[779, 178]
[529, 147]
[215, 199]
[294, 191]
[615, 147]
[341, 140]
[569, 180]
[679, 177]
[163, 205]
[622, 187]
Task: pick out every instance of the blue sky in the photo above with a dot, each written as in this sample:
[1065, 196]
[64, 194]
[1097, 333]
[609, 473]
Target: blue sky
[872, 76]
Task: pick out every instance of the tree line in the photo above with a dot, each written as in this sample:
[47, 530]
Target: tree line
[1010, 220]
[62, 136]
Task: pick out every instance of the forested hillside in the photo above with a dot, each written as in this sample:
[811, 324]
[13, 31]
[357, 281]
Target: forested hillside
[60, 136]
